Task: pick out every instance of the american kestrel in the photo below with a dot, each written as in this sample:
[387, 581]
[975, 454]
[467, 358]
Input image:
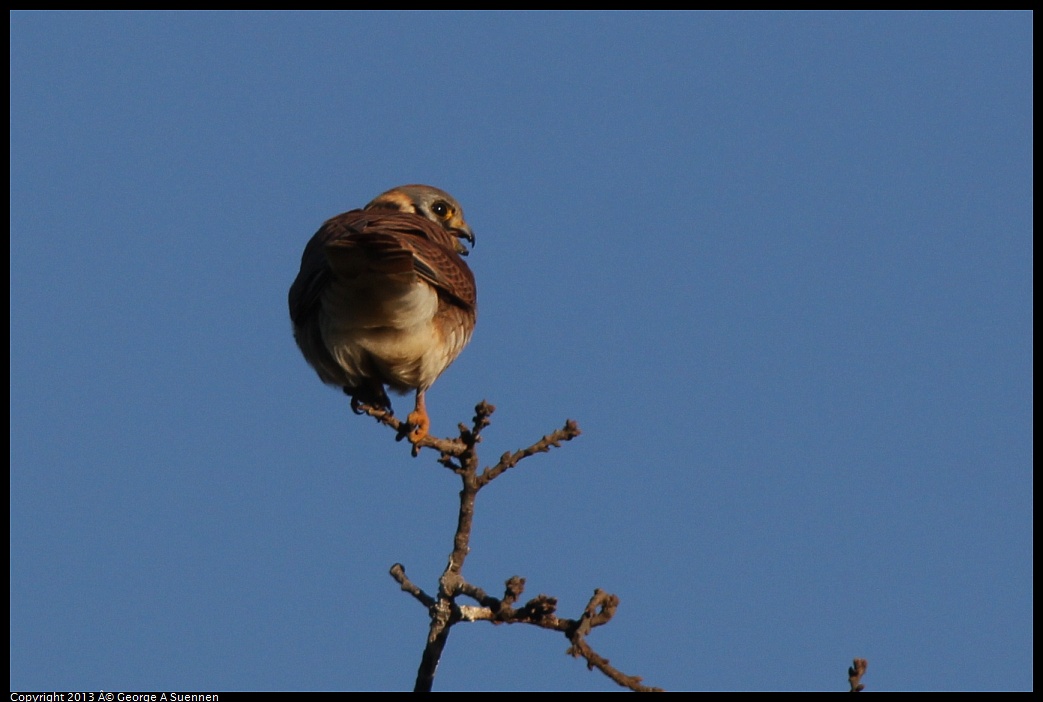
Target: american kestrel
[384, 298]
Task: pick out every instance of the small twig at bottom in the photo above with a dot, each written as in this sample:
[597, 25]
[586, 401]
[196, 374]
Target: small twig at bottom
[460, 456]
[855, 673]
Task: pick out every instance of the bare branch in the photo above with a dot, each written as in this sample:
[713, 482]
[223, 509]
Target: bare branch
[632, 682]
[436, 640]
[512, 590]
[509, 460]
[398, 572]
[388, 419]
[459, 455]
[540, 612]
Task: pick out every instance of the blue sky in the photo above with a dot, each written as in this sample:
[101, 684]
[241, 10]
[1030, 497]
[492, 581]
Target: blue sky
[777, 266]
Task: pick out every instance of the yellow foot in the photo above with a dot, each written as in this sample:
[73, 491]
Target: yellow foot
[418, 421]
[419, 425]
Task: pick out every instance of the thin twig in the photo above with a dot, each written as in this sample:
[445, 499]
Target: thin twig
[398, 572]
[459, 454]
[509, 460]
[855, 673]
[388, 419]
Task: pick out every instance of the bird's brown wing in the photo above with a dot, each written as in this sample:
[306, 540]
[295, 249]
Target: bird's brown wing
[397, 245]
[314, 276]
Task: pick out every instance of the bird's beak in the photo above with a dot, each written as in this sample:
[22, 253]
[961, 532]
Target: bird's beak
[463, 232]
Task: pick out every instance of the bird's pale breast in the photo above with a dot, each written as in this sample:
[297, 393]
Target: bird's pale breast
[390, 326]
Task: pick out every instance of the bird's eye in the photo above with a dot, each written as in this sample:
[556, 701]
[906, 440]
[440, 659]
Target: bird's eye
[441, 209]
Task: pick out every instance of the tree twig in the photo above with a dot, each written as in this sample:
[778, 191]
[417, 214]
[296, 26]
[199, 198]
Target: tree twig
[459, 455]
[855, 673]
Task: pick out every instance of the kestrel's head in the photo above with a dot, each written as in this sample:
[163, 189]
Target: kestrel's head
[430, 203]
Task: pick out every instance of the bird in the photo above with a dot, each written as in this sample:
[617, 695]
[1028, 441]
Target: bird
[384, 298]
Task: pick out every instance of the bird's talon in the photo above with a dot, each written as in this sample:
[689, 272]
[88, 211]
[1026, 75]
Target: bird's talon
[419, 424]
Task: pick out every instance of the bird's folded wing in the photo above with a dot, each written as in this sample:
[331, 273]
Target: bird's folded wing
[398, 245]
